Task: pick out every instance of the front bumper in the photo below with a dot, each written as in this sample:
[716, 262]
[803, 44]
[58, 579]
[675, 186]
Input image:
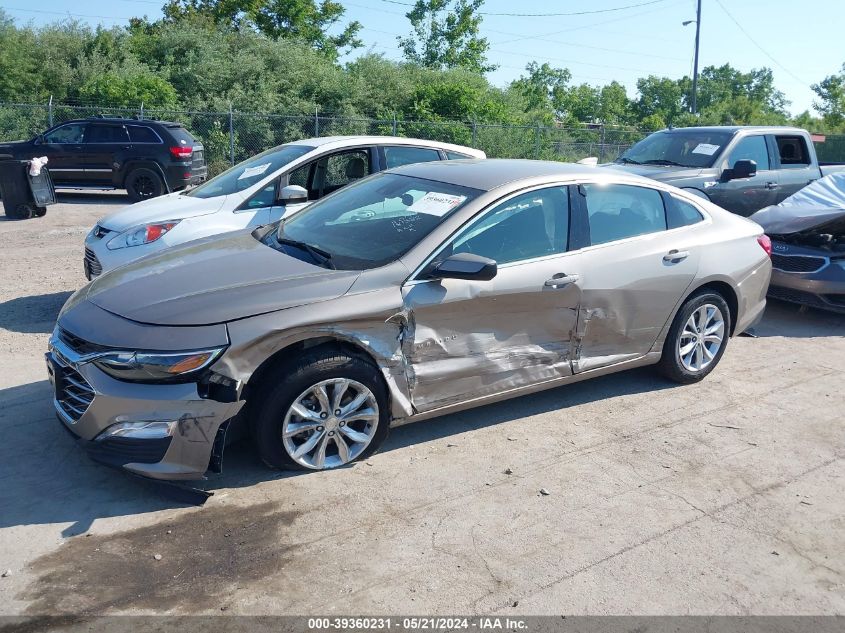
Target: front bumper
[824, 288]
[88, 402]
[99, 259]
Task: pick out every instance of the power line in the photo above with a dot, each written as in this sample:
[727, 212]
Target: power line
[547, 15]
[762, 50]
[66, 13]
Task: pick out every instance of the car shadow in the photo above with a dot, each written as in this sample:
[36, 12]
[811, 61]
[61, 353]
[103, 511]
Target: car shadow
[48, 479]
[69, 196]
[794, 321]
[35, 314]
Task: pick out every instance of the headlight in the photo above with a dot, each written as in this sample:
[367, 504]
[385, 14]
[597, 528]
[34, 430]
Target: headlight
[141, 234]
[155, 366]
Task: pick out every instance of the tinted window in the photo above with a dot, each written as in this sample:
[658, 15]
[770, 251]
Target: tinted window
[681, 213]
[457, 156]
[245, 174]
[182, 136]
[533, 224]
[72, 133]
[793, 151]
[752, 148]
[688, 148]
[99, 133]
[620, 211]
[397, 156]
[140, 134]
[372, 222]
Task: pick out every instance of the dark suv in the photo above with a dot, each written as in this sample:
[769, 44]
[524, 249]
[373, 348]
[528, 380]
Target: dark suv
[145, 157]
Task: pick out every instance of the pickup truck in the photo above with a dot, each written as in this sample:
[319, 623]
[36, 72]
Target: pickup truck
[740, 168]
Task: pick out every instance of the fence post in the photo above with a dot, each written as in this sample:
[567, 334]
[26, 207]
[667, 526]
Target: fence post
[316, 122]
[50, 112]
[474, 132]
[394, 124]
[231, 136]
[537, 141]
[142, 111]
[601, 147]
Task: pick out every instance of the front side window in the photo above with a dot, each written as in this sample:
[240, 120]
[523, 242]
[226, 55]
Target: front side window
[338, 170]
[533, 224]
[71, 133]
[751, 148]
[398, 156]
[98, 133]
[793, 151]
[617, 212]
[370, 223]
[244, 175]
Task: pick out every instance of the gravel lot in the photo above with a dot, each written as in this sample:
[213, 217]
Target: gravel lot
[724, 497]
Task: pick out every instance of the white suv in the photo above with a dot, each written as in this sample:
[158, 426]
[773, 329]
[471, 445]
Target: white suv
[261, 190]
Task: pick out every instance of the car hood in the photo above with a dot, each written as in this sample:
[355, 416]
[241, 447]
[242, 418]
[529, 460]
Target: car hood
[660, 173]
[214, 280]
[173, 206]
[819, 207]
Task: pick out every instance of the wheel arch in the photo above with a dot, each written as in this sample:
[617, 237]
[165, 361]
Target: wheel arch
[726, 291]
[131, 165]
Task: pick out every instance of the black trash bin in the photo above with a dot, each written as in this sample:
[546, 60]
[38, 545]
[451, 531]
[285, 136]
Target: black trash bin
[24, 196]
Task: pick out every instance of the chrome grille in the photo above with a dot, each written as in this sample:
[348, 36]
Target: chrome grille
[798, 263]
[92, 264]
[73, 393]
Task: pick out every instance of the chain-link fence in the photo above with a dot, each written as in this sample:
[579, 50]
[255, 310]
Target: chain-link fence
[230, 137]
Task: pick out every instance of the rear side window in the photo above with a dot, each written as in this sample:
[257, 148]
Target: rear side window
[141, 134]
[792, 151]
[99, 133]
[752, 148]
[397, 156]
[457, 156]
[620, 211]
[680, 213]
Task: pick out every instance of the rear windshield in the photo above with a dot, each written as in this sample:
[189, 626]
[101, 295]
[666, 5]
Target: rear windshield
[678, 148]
[245, 174]
[182, 136]
[371, 222]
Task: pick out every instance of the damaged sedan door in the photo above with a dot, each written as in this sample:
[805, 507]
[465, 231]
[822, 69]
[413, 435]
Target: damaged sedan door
[470, 338]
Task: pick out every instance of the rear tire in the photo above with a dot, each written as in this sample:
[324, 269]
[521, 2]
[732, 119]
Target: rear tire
[697, 338]
[21, 212]
[336, 400]
[143, 184]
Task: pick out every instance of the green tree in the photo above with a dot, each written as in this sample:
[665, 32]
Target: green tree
[446, 36]
[542, 91]
[831, 93]
[129, 90]
[660, 101]
[305, 20]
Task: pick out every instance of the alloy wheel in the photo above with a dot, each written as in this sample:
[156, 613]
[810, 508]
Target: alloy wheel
[701, 338]
[330, 424]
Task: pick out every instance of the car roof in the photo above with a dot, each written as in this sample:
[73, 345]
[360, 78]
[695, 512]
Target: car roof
[124, 120]
[489, 174]
[733, 129]
[339, 142]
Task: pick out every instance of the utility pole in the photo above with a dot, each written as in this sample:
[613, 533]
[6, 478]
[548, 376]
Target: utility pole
[695, 62]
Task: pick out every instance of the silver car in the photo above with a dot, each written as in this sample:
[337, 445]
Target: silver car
[415, 292]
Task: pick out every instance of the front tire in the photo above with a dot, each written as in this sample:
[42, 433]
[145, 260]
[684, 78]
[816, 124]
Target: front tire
[143, 184]
[326, 410]
[697, 338]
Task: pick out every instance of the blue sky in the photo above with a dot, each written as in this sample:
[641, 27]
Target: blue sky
[800, 41]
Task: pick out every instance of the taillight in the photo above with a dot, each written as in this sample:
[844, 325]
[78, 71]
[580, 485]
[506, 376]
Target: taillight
[765, 243]
[181, 151]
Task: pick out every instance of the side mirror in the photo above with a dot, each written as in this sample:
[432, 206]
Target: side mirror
[292, 194]
[744, 168]
[466, 266]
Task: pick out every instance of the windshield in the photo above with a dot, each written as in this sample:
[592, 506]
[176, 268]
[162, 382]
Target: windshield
[369, 223]
[683, 148]
[245, 174]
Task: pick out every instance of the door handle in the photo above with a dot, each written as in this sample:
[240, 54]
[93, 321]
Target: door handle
[675, 255]
[560, 280]
[771, 185]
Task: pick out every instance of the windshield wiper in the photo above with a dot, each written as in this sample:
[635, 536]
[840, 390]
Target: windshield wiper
[320, 256]
[628, 161]
[663, 161]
